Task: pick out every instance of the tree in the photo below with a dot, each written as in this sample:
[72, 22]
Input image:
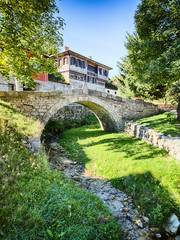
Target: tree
[131, 87]
[29, 36]
[154, 48]
[173, 94]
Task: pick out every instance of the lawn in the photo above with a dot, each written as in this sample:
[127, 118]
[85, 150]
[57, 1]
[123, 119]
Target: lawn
[146, 173]
[163, 123]
[37, 202]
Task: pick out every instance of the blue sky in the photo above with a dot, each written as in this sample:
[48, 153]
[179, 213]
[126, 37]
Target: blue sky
[98, 28]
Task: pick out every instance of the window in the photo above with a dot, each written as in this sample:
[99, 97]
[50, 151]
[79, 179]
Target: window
[115, 92]
[108, 91]
[92, 80]
[100, 71]
[83, 64]
[92, 69]
[78, 63]
[71, 76]
[105, 73]
[81, 78]
[64, 61]
[11, 87]
[87, 78]
[72, 61]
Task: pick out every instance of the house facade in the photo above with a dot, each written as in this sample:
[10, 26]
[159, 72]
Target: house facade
[77, 69]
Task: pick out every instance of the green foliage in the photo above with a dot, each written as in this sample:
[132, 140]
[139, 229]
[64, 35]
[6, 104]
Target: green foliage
[110, 84]
[131, 86]
[57, 77]
[153, 56]
[57, 126]
[163, 123]
[30, 33]
[147, 173]
[173, 93]
[38, 202]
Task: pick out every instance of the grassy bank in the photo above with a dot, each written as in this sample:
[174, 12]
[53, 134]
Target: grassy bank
[40, 203]
[163, 123]
[147, 173]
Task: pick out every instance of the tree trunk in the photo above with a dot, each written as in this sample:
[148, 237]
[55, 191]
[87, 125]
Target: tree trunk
[178, 110]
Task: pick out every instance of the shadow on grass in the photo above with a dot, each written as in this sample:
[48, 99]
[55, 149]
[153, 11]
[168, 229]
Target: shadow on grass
[152, 198]
[131, 147]
[161, 125]
[149, 196]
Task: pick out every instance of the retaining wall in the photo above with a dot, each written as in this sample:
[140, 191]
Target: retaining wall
[170, 144]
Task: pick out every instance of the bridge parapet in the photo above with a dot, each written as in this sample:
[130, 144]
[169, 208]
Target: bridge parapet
[112, 111]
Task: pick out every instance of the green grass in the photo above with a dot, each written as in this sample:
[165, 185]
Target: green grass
[38, 202]
[163, 123]
[147, 173]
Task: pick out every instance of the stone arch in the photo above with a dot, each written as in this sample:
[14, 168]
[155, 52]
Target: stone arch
[98, 107]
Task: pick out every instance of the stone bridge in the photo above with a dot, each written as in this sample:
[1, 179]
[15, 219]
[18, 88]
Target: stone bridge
[111, 111]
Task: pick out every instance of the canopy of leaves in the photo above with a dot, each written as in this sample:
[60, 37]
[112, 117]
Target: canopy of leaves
[173, 93]
[131, 87]
[153, 60]
[29, 35]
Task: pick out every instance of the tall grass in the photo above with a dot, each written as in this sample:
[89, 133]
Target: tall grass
[38, 202]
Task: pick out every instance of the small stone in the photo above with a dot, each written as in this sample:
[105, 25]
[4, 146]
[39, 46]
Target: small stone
[104, 196]
[139, 223]
[76, 178]
[173, 224]
[158, 236]
[126, 209]
[125, 233]
[145, 219]
[155, 230]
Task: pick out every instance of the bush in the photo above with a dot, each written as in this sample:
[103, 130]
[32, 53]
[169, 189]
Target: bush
[56, 126]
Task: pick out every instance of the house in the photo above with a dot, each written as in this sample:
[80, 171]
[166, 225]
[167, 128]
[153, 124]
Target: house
[111, 88]
[76, 70]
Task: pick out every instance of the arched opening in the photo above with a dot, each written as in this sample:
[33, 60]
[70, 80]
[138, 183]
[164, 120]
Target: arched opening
[106, 121]
[103, 114]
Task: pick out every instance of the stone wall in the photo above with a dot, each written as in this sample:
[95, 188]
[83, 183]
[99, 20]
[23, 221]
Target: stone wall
[4, 84]
[73, 111]
[51, 86]
[170, 144]
[111, 111]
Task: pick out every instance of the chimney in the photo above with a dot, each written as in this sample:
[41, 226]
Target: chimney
[66, 48]
[90, 57]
